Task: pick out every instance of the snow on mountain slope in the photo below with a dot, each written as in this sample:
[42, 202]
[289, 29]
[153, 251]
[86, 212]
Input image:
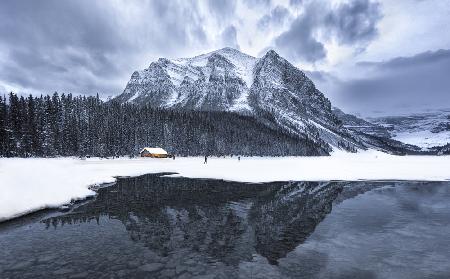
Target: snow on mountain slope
[242, 62]
[219, 80]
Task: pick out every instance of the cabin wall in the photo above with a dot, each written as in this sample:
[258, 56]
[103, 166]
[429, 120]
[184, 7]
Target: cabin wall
[150, 155]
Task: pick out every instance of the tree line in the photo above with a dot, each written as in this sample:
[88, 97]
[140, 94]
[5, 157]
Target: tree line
[67, 125]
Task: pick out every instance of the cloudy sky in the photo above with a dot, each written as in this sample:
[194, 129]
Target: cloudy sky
[365, 55]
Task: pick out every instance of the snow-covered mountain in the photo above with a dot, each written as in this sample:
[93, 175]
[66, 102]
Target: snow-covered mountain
[374, 135]
[269, 88]
[426, 129]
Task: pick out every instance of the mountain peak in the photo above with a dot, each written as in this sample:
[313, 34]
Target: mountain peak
[271, 53]
[228, 49]
[230, 53]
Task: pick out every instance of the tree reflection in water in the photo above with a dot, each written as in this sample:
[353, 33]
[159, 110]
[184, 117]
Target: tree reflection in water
[225, 221]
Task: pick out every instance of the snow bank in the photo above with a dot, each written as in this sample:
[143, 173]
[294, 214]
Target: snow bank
[31, 184]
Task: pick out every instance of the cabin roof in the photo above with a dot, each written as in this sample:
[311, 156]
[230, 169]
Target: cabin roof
[154, 150]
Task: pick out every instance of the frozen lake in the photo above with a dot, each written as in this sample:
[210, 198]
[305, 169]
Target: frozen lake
[160, 227]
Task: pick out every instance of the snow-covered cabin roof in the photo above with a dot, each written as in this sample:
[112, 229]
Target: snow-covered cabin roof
[155, 150]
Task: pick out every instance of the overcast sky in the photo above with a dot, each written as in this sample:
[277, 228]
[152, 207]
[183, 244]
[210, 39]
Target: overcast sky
[365, 55]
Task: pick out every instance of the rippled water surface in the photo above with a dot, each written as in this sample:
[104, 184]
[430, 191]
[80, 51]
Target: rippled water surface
[160, 227]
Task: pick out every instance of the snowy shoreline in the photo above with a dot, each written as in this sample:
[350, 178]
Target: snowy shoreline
[28, 185]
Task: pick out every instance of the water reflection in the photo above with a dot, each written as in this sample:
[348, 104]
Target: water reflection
[159, 227]
[227, 221]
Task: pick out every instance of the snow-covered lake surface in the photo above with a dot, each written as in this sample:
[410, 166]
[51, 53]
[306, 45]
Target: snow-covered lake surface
[161, 227]
[28, 185]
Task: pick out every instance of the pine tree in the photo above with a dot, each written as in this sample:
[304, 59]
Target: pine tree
[15, 124]
[3, 128]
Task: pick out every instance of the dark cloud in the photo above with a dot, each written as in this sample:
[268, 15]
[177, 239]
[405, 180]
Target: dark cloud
[49, 41]
[229, 37]
[420, 81]
[352, 22]
[277, 17]
[88, 46]
[299, 43]
[421, 59]
[34, 21]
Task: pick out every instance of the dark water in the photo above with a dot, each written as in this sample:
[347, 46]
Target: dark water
[160, 227]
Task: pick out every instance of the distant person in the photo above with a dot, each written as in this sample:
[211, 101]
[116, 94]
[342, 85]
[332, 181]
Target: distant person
[239, 158]
[173, 157]
[206, 160]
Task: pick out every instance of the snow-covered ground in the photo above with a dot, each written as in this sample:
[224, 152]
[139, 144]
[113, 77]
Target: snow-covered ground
[28, 185]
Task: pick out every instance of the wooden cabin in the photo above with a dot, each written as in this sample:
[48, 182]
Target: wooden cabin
[154, 152]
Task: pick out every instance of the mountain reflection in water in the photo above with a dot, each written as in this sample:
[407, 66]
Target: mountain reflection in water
[227, 221]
